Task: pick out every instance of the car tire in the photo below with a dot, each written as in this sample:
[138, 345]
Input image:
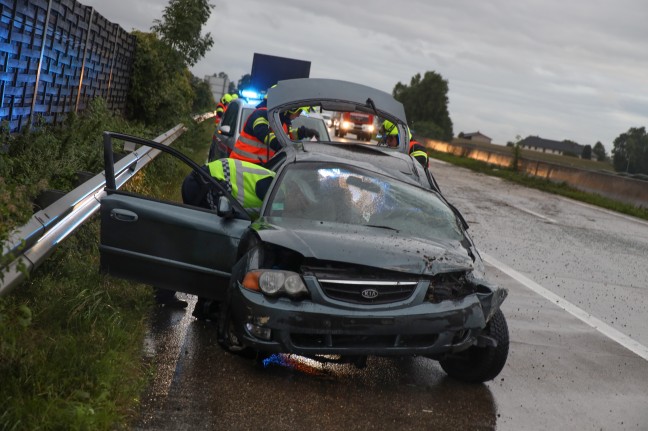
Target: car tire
[480, 364]
[227, 338]
[226, 335]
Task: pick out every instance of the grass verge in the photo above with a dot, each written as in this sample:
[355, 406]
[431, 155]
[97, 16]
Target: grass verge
[561, 189]
[71, 338]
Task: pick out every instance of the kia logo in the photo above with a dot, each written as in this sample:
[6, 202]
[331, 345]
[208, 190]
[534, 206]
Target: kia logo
[369, 293]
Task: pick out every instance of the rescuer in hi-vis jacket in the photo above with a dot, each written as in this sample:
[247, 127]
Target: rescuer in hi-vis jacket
[416, 150]
[247, 182]
[257, 143]
[222, 107]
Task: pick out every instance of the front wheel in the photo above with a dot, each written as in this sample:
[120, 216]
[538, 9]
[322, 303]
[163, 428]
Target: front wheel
[480, 364]
[227, 338]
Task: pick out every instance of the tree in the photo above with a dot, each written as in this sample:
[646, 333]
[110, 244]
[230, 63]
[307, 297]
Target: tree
[587, 152]
[180, 28]
[160, 89]
[245, 81]
[599, 152]
[630, 151]
[426, 104]
[203, 97]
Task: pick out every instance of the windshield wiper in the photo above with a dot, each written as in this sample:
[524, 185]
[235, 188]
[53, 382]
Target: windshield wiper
[370, 102]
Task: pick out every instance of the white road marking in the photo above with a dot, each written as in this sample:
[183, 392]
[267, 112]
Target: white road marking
[592, 321]
[533, 213]
[605, 210]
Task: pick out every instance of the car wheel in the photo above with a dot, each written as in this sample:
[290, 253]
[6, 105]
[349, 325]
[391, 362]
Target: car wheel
[228, 339]
[337, 133]
[480, 364]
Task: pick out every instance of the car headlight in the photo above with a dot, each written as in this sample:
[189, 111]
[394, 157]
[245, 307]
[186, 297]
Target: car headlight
[370, 128]
[346, 125]
[272, 283]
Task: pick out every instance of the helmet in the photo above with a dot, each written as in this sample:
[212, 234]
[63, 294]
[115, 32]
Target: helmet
[226, 99]
[234, 96]
[390, 128]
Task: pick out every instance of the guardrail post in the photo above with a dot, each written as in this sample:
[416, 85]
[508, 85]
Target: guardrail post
[40, 62]
[83, 62]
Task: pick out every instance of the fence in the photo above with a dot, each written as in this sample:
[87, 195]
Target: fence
[55, 57]
[621, 189]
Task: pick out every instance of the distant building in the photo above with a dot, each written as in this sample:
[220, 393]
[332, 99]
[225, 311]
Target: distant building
[218, 86]
[475, 136]
[537, 143]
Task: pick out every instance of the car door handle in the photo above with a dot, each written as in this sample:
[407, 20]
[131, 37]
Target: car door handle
[123, 215]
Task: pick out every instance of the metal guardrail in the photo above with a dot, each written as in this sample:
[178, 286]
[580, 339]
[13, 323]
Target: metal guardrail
[34, 242]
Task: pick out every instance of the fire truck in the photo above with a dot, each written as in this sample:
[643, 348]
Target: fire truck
[359, 123]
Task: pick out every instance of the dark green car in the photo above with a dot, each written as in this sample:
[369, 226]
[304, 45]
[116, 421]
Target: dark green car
[355, 253]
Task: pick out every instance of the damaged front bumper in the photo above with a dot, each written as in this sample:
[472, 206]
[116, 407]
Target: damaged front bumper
[319, 327]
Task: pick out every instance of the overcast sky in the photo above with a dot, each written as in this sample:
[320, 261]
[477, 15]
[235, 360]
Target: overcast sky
[567, 69]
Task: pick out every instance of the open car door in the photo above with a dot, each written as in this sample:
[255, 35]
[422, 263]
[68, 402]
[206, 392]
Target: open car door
[167, 244]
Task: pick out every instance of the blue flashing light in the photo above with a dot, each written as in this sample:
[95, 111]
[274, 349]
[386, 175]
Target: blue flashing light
[251, 94]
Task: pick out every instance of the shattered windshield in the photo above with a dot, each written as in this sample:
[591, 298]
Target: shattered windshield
[350, 195]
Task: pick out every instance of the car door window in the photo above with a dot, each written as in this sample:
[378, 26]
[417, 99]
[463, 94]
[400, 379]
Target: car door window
[244, 116]
[229, 119]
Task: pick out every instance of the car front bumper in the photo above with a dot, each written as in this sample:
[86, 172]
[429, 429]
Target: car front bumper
[308, 328]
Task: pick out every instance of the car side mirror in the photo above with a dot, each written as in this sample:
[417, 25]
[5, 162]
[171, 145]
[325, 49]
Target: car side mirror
[224, 208]
[225, 130]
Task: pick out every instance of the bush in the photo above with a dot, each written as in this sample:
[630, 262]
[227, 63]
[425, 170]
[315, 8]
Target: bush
[160, 87]
[430, 130]
[51, 158]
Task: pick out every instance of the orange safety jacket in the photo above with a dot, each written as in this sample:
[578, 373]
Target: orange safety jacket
[251, 149]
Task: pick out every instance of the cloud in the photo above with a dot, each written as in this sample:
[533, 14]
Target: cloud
[558, 69]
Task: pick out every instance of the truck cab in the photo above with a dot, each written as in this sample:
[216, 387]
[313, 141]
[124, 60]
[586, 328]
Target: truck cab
[359, 123]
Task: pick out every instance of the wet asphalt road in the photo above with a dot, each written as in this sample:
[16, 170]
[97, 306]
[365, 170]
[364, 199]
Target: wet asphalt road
[562, 373]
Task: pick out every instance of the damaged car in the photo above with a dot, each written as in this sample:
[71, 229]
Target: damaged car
[355, 253]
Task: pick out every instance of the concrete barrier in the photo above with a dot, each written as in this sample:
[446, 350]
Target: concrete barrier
[609, 185]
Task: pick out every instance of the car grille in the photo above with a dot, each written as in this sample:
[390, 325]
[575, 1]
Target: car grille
[368, 291]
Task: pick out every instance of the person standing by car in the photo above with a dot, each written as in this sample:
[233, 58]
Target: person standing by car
[247, 182]
[222, 106]
[416, 150]
[257, 143]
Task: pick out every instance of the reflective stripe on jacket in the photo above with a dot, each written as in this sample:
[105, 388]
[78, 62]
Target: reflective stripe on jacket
[417, 151]
[256, 141]
[240, 178]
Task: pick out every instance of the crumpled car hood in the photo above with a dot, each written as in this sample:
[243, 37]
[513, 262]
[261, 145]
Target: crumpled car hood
[368, 246]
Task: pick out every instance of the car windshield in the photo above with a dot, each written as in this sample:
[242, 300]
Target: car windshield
[329, 192]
